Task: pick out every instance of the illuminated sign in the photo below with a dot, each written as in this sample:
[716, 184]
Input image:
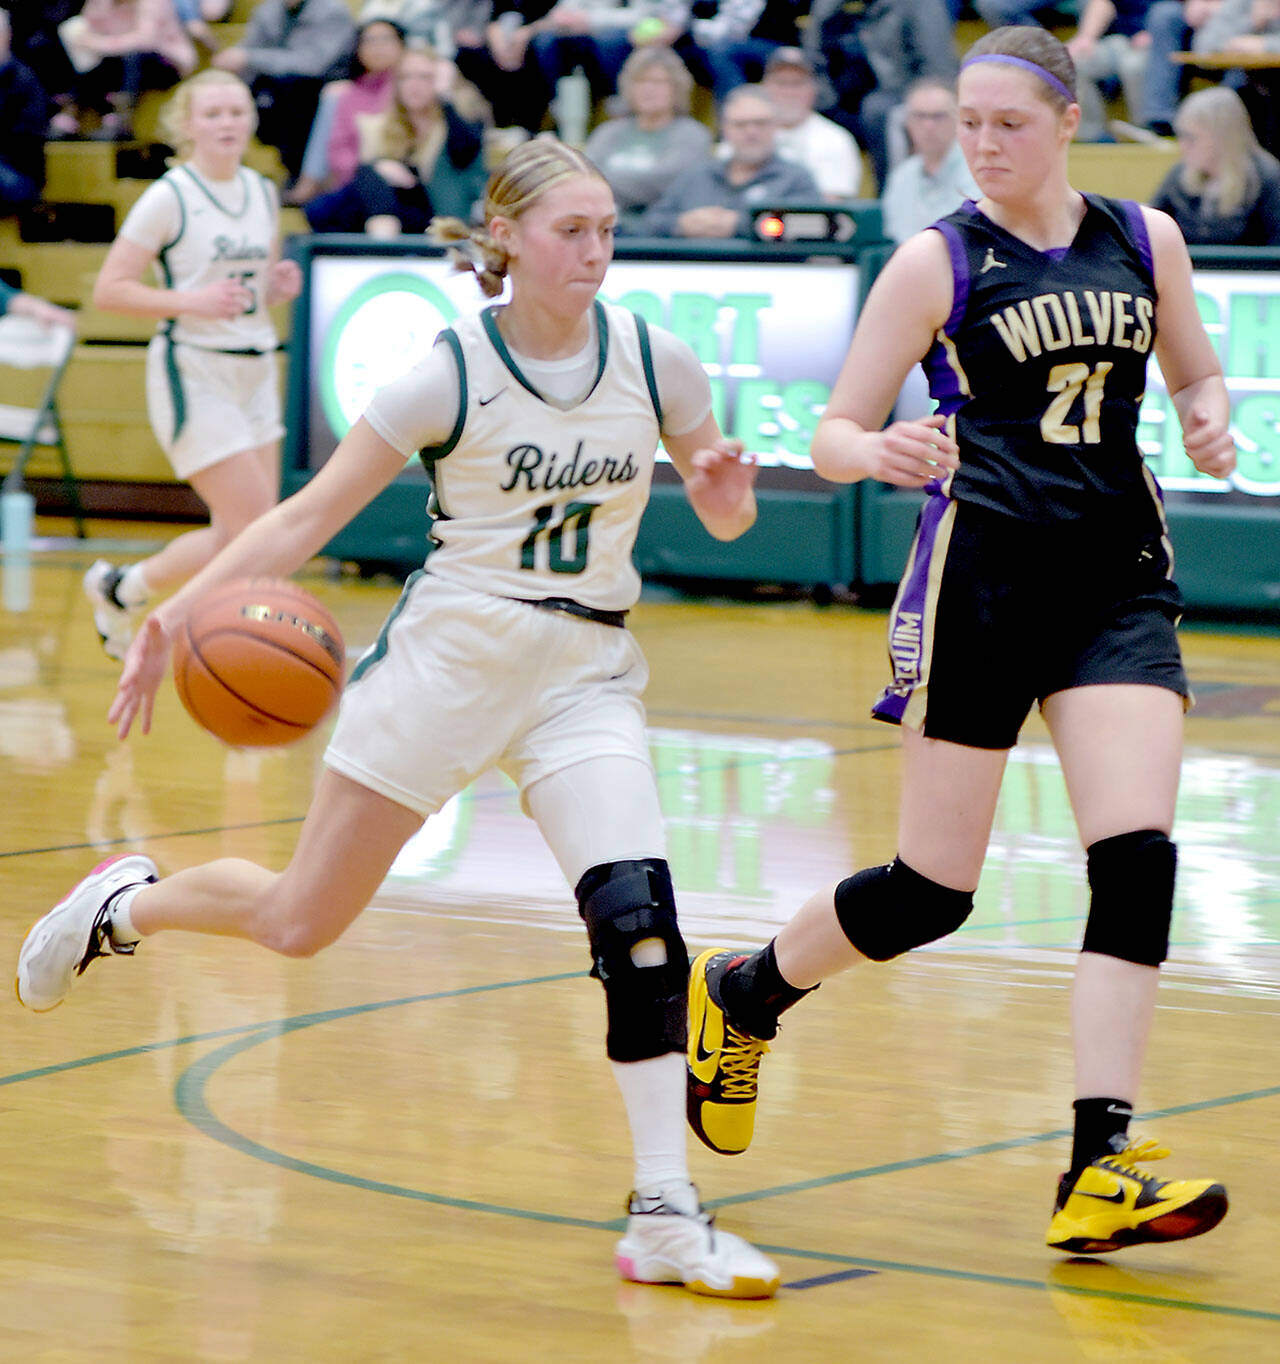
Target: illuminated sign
[1241, 312]
[771, 337]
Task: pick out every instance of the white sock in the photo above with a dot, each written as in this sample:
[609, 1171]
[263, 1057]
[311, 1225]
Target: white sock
[132, 589]
[123, 933]
[653, 1092]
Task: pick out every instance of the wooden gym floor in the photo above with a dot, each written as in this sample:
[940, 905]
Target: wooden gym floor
[410, 1147]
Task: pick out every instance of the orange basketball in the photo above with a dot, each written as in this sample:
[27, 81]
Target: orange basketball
[258, 662]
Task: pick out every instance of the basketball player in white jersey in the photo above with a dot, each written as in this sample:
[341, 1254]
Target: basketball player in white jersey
[539, 421]
[209, 228]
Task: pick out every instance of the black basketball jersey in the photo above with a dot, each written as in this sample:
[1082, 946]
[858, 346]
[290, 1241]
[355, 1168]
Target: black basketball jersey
[1042, 366]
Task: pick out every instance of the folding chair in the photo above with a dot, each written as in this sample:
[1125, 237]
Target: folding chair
[27, 345]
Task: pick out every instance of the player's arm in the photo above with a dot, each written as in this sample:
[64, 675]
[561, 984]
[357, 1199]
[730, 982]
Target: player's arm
[910, 300]
[119, 288]
[719, 478]
[277, 544]
[1190, 365]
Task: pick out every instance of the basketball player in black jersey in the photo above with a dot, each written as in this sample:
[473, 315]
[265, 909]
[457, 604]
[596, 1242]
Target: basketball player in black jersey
[1040, 574]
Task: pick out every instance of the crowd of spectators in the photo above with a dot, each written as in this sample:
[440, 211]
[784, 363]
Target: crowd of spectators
[386, 114]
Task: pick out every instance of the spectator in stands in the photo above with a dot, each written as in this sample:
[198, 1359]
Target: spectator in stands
[866, 56]
[1172, 26]
[418, 159]
[636, 150]
[443, 25]
[1225, 190]
[592, 34]
[120, 48]
[502, 68]
[1250, 28]
[715, 199]
[196, 16]
[17, 304]
[1048, 13]
[726, 43]
[37, 43]
[289, 50]
[24, 112]
[1111, 42]
[829, 152]
[333, 146]
[935, 179]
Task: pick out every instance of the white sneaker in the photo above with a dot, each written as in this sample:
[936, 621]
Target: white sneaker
[114, 620]
[76, 932]
[666, 1245]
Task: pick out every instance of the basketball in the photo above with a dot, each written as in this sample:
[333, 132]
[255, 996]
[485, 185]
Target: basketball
[258, 662]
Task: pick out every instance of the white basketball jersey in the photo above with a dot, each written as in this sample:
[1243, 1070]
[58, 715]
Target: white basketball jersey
[227, 231]
[534, 500]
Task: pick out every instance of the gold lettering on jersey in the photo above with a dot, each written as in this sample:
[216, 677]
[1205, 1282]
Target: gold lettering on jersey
[904, 646]
[1079, 337]
[1052, 322]
[1099, 306]
[540, 470]
[1017, 330]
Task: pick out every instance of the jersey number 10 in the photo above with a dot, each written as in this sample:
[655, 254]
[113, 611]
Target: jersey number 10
[573, 523]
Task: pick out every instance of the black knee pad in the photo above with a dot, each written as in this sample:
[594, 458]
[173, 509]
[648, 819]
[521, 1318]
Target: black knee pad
[886, 911]
[1131, 877]
[638, 956]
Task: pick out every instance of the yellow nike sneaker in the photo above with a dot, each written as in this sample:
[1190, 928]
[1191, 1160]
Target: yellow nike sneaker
[723, 1063]
[1112, 1203]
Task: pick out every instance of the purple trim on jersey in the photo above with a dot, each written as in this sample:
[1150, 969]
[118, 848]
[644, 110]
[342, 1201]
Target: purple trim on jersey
[1138, 227]
[944, 383]
[912, 599]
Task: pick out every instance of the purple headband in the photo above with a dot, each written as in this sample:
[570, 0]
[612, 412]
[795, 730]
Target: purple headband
[1047, 76]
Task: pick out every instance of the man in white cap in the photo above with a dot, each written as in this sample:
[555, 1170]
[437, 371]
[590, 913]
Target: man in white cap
[827, 151]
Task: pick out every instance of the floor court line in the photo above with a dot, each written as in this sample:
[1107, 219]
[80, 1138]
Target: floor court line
[192, 1104]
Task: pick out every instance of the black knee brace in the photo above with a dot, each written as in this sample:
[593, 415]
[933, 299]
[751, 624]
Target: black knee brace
[638, 956]
[886, 911]
[1131, 877]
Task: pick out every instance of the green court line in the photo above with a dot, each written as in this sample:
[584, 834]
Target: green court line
[189, 1094]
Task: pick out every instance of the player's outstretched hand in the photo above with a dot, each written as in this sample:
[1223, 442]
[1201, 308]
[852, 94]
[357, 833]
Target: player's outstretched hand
[721, 488]
[145, 665]
[911, 454]
[1208, 443]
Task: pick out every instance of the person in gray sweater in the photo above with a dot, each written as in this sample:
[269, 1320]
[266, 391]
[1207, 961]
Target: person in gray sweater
[636, 150]
[289, 50]
[716, 197]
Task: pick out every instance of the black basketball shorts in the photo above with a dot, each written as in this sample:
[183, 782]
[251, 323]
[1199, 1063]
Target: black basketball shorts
[994, 614]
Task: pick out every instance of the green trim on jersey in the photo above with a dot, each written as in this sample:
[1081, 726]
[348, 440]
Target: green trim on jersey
[212, 198]
[177, 395]
[429, 454]
[646, 359]
[490, 322]
[379, 650]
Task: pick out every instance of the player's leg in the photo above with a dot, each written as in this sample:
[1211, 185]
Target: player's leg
[602, 820]
[1121, 748]
[949, 794]
[348, 841]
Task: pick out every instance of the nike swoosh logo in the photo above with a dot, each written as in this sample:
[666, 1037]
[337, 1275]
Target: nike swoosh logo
[701, 1055]
[1117, 1197]
[484, 402]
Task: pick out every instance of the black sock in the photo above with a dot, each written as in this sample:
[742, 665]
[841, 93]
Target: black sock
[754, 993]
[1097, 1122]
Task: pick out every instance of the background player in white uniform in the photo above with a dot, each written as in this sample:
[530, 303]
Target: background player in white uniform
[508, 649]
[209, 228]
